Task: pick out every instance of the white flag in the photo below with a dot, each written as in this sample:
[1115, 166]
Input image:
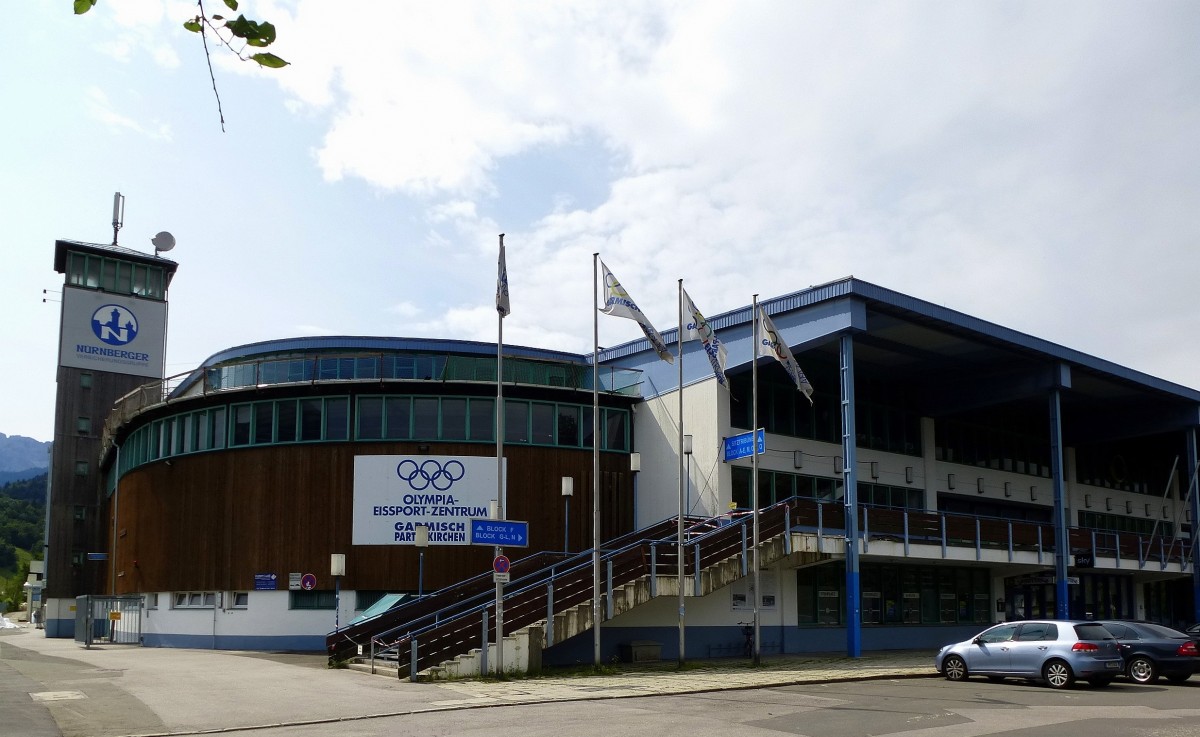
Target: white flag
[502, 305]
[618, 303]
[697, 328]
[770, 344]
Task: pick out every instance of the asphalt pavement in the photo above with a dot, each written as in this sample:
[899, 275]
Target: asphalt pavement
[53, 687]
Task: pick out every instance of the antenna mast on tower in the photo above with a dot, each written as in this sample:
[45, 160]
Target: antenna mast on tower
[118, 214]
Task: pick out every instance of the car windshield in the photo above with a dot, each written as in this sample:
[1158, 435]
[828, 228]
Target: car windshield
[1092, 632]
[1166, 633]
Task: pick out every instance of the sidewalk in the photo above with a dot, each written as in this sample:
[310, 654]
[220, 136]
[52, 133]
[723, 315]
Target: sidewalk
[116, 691]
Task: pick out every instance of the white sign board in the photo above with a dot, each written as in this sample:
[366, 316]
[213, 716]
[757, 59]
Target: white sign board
[109, 332]
[394, 493]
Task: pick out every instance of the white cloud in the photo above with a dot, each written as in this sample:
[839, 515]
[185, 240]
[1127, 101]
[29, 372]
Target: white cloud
[100, 108]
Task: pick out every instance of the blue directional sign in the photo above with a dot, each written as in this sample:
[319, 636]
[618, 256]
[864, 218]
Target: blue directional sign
[739, 446]
[500, 532]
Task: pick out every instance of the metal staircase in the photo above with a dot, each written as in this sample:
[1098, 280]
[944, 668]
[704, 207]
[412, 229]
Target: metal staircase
[549, 597]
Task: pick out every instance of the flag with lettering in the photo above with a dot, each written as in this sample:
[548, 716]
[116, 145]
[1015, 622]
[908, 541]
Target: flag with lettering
[502, 305]
[618, 303]
[770, 344]
[697, 328]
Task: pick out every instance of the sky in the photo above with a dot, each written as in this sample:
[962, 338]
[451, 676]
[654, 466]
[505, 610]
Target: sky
[1031, 163]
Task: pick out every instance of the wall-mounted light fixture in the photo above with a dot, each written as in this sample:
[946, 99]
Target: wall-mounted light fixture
[837, 465]
[908, 474]
[1147, 510]
[635, 462]
[949, 481]
[1033, 493]
[874, 469]
[798, 459]
[1007, 488]
[1087, 500]
[1166, 512]
[1108, 503]
[979, 484]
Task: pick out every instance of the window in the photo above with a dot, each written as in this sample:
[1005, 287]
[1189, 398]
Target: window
[337, 418]
[1004, 633]
[239, 600]
[264, 422]
[83, 425]
[85, 381]
[80, 512]
[151, 601]
[81, 468]
[454, 419]
[194, 600]
[516, 421]
[543, 418]
[310, 419]
[285, 415]
[311, 600]
[397, 418]
[482, 419]
[242, 414]
[370, 418]
[425, 418]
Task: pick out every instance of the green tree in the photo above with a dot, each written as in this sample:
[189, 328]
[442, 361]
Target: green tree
[236, 34]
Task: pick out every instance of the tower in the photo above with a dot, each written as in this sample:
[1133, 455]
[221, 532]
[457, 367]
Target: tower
[112, 339]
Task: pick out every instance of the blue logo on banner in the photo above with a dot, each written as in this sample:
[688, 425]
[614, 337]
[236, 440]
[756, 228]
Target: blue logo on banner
[114, 325]
[421, 476]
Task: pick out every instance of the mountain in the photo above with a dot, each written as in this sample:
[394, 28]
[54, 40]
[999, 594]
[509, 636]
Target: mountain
[22, 457]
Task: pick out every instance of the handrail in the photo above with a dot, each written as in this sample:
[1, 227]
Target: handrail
[536, 594]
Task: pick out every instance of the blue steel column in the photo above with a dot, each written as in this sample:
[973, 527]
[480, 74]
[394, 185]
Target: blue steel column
[1061, 546]
[850, 493]
[1193, 463]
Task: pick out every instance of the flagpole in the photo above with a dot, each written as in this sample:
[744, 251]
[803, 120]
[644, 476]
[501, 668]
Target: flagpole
[679, 530]
[754, 474]
[595, 465]
[500, 512]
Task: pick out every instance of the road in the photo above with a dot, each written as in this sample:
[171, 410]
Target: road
[899, 708]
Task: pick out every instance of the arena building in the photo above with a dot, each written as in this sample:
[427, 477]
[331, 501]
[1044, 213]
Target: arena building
[947, 473]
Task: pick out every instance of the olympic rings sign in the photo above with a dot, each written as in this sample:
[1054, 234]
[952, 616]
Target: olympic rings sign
[430, 474]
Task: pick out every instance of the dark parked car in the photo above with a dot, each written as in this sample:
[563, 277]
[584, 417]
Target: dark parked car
[1054, 651]
[1152, 650]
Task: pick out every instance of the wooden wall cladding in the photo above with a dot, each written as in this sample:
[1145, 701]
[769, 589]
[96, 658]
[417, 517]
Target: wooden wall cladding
[211, 521]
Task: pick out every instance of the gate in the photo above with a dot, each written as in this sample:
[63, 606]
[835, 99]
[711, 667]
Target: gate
[109, 620]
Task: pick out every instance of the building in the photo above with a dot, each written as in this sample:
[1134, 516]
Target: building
[981, 474]
[112, 339]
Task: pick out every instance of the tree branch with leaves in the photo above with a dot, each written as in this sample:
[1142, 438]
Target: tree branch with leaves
[252, 34]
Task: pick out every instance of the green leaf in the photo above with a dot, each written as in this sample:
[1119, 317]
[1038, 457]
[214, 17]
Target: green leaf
[218, 17]
[269, 60]
[192, 25]
[231, 4]
[83, 6]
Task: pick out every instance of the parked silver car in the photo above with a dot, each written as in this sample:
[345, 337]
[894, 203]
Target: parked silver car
[1055, 651]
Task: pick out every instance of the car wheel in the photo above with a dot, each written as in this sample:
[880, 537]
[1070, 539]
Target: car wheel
[1179, 677]
[1142, 670]
[955, 668]
[1057, 674]
[1100, 682]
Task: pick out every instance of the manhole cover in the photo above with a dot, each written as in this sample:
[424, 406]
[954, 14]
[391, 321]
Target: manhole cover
[57, 695]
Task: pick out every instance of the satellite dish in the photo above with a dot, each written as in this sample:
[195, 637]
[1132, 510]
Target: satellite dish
[164, 241]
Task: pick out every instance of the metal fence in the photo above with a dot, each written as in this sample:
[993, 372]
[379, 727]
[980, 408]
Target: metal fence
[108, 620]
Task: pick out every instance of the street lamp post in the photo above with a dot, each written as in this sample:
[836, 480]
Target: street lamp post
[421, 540]
[568, 489]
